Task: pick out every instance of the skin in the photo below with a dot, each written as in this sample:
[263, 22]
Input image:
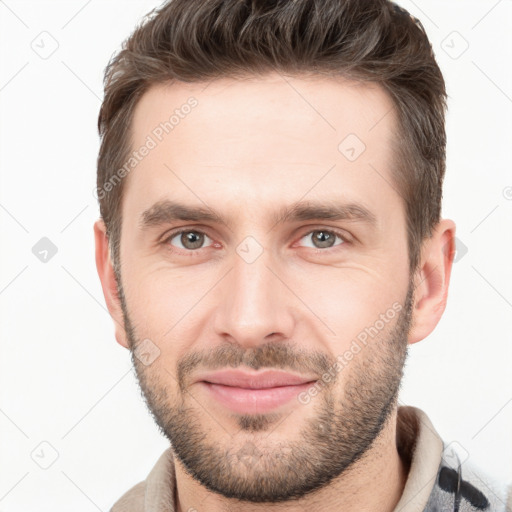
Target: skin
[249, 148]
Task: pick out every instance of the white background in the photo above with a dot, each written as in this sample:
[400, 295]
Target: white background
[66, 383]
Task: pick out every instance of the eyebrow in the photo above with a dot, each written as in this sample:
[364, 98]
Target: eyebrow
[167, 211]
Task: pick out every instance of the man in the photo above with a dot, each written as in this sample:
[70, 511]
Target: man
[270, 182]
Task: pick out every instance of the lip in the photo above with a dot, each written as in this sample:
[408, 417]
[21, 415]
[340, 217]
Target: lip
[255, 380]
[253, 393]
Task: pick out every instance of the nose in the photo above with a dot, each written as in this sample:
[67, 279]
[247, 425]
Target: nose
[254, 303]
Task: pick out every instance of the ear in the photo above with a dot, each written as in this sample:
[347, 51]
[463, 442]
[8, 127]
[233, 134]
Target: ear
[108, 281]
[432, 280]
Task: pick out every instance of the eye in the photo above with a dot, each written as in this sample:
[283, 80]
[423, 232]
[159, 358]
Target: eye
[189, 239]
[324, 238]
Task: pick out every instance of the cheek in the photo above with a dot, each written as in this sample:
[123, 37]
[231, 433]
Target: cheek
[347, 301]
[168, 306]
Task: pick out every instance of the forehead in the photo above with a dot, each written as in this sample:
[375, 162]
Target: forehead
[277, 137]
[328, 105]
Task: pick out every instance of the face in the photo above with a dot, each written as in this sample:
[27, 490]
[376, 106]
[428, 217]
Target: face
[261, 231]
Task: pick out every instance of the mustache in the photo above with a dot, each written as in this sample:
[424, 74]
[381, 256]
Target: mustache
[275, 356]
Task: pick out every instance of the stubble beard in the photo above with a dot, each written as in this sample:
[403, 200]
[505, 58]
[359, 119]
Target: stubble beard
[257, 464]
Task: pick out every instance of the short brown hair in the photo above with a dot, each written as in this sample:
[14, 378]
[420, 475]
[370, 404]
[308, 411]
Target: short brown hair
[365, 40]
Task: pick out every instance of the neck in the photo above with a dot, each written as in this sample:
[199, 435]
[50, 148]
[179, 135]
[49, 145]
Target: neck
[375, 482]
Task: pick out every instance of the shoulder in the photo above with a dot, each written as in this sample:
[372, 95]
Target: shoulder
[132, 500]
[157, 488]
[462, 486]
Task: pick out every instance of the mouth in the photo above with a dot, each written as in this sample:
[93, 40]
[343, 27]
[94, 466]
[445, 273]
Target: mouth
[254, 393]
[255, 380]
[253, 400]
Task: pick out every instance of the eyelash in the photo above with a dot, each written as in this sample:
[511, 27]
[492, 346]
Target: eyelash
[196, 252]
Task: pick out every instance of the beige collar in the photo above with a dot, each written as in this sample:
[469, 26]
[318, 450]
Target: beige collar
[419, 443]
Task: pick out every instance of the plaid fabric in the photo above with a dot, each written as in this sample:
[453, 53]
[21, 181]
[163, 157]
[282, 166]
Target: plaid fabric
[460, 487]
